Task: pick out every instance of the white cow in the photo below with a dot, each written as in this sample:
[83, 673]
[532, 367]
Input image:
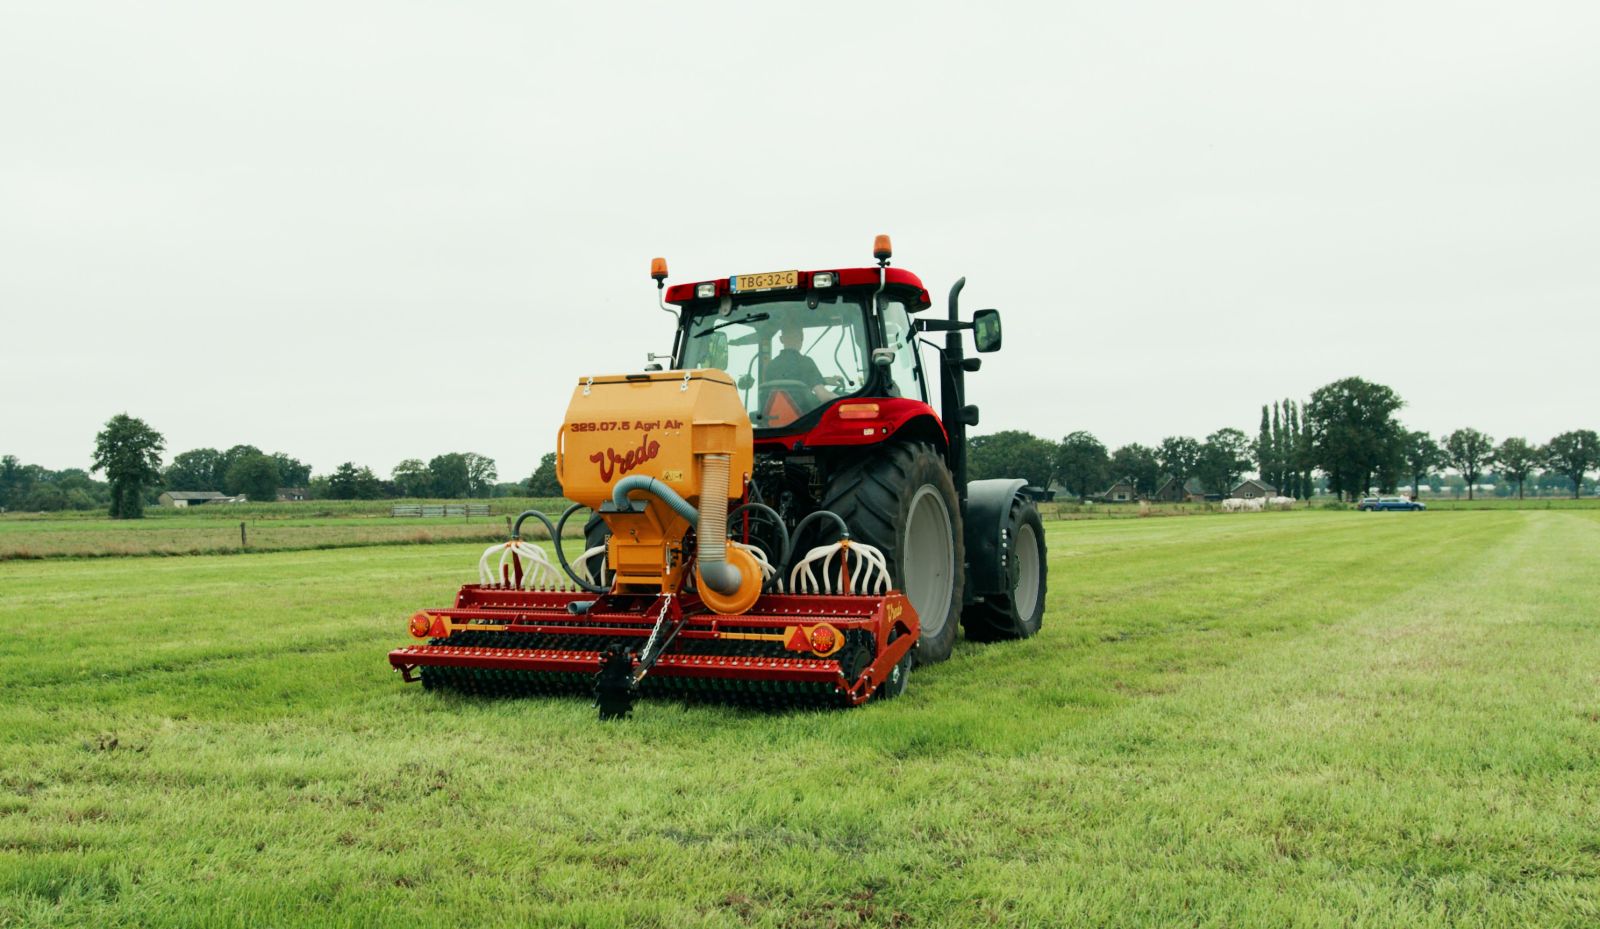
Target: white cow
[1281, 503]
[1232, 505]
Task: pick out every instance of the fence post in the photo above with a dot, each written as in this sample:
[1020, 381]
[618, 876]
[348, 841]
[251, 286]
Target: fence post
[243, 541]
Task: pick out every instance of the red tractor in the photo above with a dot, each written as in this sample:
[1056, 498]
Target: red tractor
[813, 385]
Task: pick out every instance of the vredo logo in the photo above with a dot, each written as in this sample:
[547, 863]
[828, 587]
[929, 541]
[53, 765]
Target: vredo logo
[612, 464]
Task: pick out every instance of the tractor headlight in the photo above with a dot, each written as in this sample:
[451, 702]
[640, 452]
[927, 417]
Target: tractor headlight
[822, 279]
[705, 291]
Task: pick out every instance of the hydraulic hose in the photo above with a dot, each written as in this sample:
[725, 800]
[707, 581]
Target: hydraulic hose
[663, 492]
[800, 528]
[710, 521]
[781, 556]
[556, 534]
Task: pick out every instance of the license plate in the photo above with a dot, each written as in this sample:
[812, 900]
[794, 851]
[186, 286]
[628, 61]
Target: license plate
[769, 280]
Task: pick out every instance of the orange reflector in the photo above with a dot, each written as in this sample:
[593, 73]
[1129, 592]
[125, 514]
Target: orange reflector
[781, 411]
[420, 624]
[658, 269]
[858, 411]
[822, 638]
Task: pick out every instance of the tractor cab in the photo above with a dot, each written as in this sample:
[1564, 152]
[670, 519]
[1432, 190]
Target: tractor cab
[796, 342]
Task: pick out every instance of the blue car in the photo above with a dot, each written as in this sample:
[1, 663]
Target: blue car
[1390, 503]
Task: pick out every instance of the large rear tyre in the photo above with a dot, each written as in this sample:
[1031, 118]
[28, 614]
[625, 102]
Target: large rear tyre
[1018, 613]
[902, 501]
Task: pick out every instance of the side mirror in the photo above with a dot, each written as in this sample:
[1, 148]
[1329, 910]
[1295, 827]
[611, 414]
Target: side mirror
[883, 357]
[986, 330]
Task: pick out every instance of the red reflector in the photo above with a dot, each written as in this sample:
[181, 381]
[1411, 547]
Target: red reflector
[822, 638]
[858, 411]
[419, 625]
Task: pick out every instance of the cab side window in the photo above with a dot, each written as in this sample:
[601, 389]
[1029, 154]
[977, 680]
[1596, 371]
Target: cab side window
[899, 338]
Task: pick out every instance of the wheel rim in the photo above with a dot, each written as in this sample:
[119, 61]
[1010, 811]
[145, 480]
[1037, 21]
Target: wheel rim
[1026, 596]
[927, 560]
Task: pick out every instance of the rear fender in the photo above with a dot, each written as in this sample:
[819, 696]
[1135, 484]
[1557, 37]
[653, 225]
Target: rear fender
[896, 419]
[988, 514]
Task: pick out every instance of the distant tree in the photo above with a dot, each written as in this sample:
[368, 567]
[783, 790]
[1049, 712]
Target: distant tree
[1265, 451]
[1517, 459]
[1297, 483]
[368, 486]
[1353, 432]
[1572, 454]
[1012, 453]
[225, 463]
[350, 482]
[1305, 446]
[1422, 454]
[1179, 457]
[255, 476]
[1284, 437]
[342, 482]
[1223, 459]
[292, 472]
[129, 452]
[412, 478]
[451, 476]
[1137, 463]
[1081, 464]
[44, 498]
[543, 482]
[1470, 452]
[195, 469]
[13, 482]
[481, 474]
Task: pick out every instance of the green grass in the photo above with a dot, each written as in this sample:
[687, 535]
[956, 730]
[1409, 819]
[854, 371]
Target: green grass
[1512, 503]
[1237, 721]
[275, 527]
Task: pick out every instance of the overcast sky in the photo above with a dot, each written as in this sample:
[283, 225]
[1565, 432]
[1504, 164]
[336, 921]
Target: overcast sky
[376, 231]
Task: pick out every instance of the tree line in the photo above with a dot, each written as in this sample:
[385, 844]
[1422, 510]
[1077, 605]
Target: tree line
[129, 452]
[1346, 439]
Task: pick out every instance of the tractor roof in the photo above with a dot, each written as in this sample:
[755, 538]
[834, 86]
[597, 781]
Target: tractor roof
[896, 279]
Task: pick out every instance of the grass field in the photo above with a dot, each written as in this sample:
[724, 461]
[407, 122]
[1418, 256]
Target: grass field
[268, 528]
[1282, 719]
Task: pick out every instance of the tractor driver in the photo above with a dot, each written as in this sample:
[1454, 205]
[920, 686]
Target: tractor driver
[791, 365]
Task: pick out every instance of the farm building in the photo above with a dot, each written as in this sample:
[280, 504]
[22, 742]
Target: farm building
[1120, 492]
[1191, 491]
[178, 499]
[291, 494]
[1252, 488]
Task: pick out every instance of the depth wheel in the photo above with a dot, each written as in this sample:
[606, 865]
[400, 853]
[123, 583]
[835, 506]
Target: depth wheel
[902, 501]
[1018, 613]
[899, 678]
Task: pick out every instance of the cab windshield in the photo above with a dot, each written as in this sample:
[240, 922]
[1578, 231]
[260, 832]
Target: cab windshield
[786, 356]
